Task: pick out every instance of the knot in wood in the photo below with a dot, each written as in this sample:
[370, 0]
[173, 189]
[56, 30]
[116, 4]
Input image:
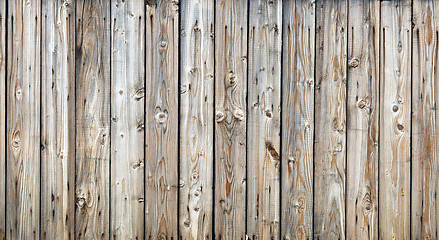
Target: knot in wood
[161, 117]
[139, 94]
[16, 140]
[231, 77]
[354, 62]
[239, 114]
[219, 116]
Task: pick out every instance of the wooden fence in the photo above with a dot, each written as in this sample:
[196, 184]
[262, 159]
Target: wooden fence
[226, 119]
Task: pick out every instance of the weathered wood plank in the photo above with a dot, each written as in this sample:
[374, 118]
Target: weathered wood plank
[161, 125]
[3, 105]
[425, 90]
[196, 119]
[58, 120]
[93, 119]
[395, 108]
[23, 120]
[230, 116]
[264, 44]
[127, 114]
[298, 118]
[330, 121]
[362, 122]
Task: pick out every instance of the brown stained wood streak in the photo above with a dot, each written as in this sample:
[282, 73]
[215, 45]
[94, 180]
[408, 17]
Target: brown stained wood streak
[93, 119]
[23, 120]
[263, 195]
[330, 121]
[127, 119]
[230, 117]
[425, 89]
[58, 120]
[161, 116]
[298, 118]
[196, 119]
[395, 111]
[363, 117]
[3, 105]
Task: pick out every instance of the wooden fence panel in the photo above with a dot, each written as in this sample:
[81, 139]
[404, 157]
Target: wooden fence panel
[330, 120]
[127, 119]
[362, 120]
[298, 119]
[230, 116]
[424, 210]
[23, 120]
[57, 120]
[263, 131]
[92, 119]
[3, 105]
[395, 111]
[161, 120]
[196, 119]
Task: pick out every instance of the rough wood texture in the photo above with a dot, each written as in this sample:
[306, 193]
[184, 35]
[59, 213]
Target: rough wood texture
[298, 119]
[230, 117]
[196, 119]
[362, 121]
[161, 111]
[58, 120]
[425, 89]
[127, 119]
[93, 119]
[23, 120]
[263, 133]
[3, 119]
[330, 122]
[395, 107]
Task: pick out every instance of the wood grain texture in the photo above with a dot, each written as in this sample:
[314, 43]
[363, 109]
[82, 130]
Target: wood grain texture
[362, 120]
[58, 120]
[230, 117]
[298, 118]
[161, 111]
[3, 105]
[196, 119]
[263, 133]
[127, 119]
[395, 111]
[23, 120]
[425, 89]
[330, 121]
[92, 119]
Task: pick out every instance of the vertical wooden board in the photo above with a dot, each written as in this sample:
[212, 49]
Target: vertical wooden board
[161, 116]
[127, 119]
[424, 208]
[230, 117]
[395, 108]
[264, 58]
[362, 121]
[196, 119]
[58, 120]
[92, 119]
[298, 118]
[3, 119]
[23, 120]
[330, 121]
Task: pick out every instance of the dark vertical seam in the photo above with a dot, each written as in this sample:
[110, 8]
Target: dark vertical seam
[411, 116]
[179, 118]
[246, 121]
[111, 92]
[314, 123]
[346, 118]
[281, 118]
[144, 117]
[75, 132]
[6, 113]
[40, 113]
[213, 119]
[381, 41]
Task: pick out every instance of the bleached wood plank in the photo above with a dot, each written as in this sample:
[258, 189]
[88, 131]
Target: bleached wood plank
[23, 120]
[395, 111]
[264, 47]
[127, 119]
[330, 120]
[3, 105]
[425, 90]
[298, 118]
[161, 111]
[58, 120]
[363, 117]
[92, 119]
[196, 119]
